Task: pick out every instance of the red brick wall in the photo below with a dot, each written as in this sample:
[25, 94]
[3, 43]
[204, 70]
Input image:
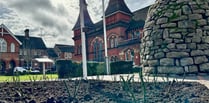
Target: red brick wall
[9, 39]
[8, 56]
[117, 17]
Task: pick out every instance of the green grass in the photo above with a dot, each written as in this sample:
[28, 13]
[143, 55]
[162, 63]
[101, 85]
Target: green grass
[28, 77]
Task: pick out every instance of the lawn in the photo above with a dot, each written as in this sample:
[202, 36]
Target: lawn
[28, 77]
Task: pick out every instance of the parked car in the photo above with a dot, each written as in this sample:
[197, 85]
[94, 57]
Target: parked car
[35, 71]
[20, 69]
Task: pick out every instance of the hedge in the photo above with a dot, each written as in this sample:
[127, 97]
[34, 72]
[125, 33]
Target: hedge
[121, 67]
[67, 68]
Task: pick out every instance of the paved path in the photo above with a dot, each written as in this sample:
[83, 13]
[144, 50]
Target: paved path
[203, 79]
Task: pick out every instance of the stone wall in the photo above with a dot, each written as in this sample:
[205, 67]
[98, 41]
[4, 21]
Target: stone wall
[176, 37]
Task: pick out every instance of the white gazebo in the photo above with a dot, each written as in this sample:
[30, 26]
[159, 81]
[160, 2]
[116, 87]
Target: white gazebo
[44, 60]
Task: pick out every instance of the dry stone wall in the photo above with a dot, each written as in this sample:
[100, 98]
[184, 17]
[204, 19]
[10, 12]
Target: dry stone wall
[176, 37]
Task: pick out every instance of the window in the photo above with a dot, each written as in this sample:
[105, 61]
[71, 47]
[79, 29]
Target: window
[132, 35]
[113, 42]
[35, 52]
[12, 47]
[25, 52]
[3, 45]
[97, 47]
[79, 49]
[129, 54]
[137, 33]
[21, 52]
[68, 55]
[114, 59]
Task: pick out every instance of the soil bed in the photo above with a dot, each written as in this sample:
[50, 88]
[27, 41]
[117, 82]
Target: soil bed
[93, 91]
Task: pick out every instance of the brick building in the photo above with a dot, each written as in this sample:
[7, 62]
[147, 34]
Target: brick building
[31, 48]
[124, 30]
[64, 52]
[9, 49]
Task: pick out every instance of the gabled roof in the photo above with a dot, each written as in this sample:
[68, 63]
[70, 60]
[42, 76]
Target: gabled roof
[140, 14]
[117, 6]
[65, 48]
[51, 53]
[87, 19]
[4, 27]
[138, 19]
[135, 25]
[35, 42]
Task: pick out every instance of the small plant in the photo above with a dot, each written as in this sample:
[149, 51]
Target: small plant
[126, 85]
[16, 78]
[155, 78]
[143, 85]
[75, 91]
[184, 76]
[33, 78]
[114, 78]
[68, 90]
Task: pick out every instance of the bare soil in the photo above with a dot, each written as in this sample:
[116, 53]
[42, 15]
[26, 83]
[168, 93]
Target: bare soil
[96, 91]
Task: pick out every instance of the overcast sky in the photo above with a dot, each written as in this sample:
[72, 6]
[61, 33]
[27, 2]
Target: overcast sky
[52, 19]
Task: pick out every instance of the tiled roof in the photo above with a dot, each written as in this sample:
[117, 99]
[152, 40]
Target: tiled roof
[51, 53]
[35, 42]
[117, 6]
[138, 19]
[2, 26]
[87, 20]
[65, 48]
[135, 25]
[140, 14]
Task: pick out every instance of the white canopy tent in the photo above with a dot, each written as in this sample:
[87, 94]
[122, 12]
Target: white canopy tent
[44, 60]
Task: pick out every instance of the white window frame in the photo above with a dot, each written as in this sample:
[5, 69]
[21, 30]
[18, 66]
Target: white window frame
[3, 45]
[12, 47]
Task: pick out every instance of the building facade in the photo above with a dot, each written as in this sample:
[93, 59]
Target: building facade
[31, 48]
[64, 52]
[9, 49]
[124, 31]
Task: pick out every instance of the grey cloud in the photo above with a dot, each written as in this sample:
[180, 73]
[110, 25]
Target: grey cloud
[4, 12]
[44, 13]
[61, 10]
[31, 5]
[54, 19]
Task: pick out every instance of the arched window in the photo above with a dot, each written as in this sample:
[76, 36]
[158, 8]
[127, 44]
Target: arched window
[113, 42]
[3, 45]
[97, 47]
[12, 47]
[129, 54]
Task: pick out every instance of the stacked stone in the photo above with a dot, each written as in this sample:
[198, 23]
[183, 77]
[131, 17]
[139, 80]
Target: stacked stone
[176, 37]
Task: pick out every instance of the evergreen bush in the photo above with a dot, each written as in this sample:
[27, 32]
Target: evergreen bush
[121, 67]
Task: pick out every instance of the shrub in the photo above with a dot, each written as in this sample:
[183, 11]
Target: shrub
[64, 68]
[121, 67]
[67, 68]
[96, 68]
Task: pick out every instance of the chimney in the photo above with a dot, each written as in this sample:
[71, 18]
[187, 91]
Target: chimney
[27, 33]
